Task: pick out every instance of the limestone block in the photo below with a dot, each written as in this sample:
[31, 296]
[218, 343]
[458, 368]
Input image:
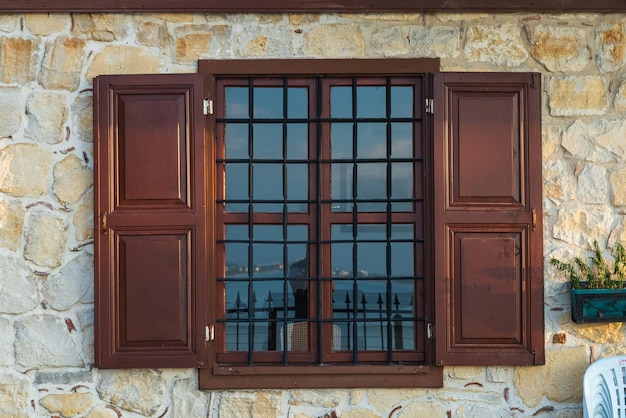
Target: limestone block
[385, 400]
[499, 374]
[618, 180]
[334, 41]
[558, 181]
[581, 140]
[501, 46]
[580, 225]
[67, 405]
[559, 380]
[44, 341]
[559, 48]
[63, 378]
[101, 412]
[46, 236]
[8, 22]
[153, 34]
[62, 64]
[18, 60]
[472, 411]
[24, 170]
[104, 27]
[470, 394]
[609, 333]
[46, 114]
[190, 46]
[82, 117]
[71, 179]
[592, 184]
[392, 41]
[262, 44]
[420, 409]
[72, 284]
[7, 340]
[11, 222]
[19, 290]
[137, 390]
[121, 59]
[45, 24]
[323, 398]
[14, 395]
[620, 98]
[360, 413]
[12, 105]
[188, 401]
[85, 321]
[435, 42]
[612, 41]
[577, 96]
[83, 219]
[464, 372]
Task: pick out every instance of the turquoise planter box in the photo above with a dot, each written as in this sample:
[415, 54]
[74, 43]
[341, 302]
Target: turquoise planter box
[598, 305]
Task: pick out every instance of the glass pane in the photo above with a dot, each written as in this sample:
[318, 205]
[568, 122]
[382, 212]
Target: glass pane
[297, 102]
[371, 102]
[341, 140]
[268, 103]
[236, 336]
[372, 184]
[297, 141]
[401, 140]
[341, 186]
[236, 102]
[402, 185]
[402, 315]
[268, 185]
[402, 101]
[402, 253]
[372, 140]
[297, 186]
[341, 102]
[236, 186]
[267, 141]
[236, 140]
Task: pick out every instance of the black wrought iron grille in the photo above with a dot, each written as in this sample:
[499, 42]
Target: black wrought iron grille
[320, 215]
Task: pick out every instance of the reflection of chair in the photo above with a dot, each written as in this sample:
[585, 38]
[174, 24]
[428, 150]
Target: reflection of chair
[298, 337]
[604, 387]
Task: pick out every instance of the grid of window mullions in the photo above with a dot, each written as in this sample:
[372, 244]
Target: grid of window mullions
[317, 201]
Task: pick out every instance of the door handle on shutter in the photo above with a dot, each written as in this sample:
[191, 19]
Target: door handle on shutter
[534, 218]
[104, 222]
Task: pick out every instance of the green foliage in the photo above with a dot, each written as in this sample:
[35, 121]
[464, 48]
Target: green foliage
[598, 274]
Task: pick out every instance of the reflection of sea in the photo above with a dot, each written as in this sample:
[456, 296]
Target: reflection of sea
[367, 314]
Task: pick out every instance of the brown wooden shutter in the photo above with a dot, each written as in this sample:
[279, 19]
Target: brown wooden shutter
[150, 221]
[487, 219]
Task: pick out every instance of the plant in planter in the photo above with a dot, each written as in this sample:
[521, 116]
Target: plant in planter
[597, 288]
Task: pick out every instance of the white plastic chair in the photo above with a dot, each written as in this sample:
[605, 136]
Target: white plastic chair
[604, 388]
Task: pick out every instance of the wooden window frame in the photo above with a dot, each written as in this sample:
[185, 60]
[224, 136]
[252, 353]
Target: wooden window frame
[315, 6]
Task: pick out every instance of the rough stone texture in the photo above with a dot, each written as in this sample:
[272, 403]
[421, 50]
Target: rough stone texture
[558, 181]
[592, 184]
[334, 41]
[139, 391]
[420, 409]
[11, 222]
[71, 179]
[581, 226]
[617, 180]
[611, 54]
[14, 395]
[44, 340]
[188, 401]
[249, 405]
[83, 220]
[7, 340]
[560, 49]
[500, 46]
[45, 24]
[24, 170]
[385, 399]
[102, 412]
[12, 104]
[45, 240]
[360, 413]
[46, 113]
[123, 60]
[67, 405]
[62, 64]
[18, 57]
[19, 291]
[73, 284]
[577, 96]
[82, 117]
[597, 333]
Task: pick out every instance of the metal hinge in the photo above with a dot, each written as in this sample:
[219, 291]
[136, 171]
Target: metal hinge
[429, 331]
[207, 106]
[429, 106]
[209, 333]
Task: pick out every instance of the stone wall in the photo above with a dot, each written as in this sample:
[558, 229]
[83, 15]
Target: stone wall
[46, 198]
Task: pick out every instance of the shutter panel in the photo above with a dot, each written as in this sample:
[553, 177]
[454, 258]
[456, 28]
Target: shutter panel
[487, 219]
[150, 227]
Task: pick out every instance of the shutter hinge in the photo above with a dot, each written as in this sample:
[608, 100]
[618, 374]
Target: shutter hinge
[430, 333]
[429, 106]
[209, 333]
[207, 106]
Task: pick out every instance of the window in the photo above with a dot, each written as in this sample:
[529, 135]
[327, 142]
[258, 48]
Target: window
[340, 223]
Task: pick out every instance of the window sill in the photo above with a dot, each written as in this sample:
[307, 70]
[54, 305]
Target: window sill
[321, 376]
